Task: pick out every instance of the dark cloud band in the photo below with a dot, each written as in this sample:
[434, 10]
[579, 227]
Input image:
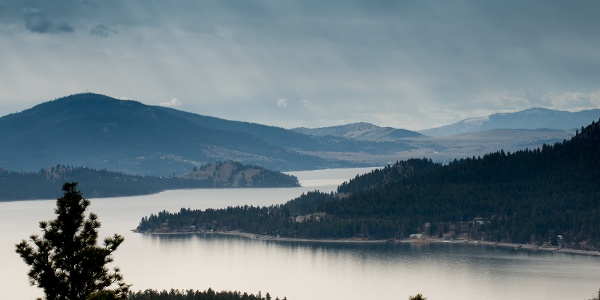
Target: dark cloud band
[40, 23]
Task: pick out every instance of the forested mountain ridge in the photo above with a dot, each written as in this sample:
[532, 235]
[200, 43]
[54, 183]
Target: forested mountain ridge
[101, 132]
[297, 141]
[103, 183]
[539, 196]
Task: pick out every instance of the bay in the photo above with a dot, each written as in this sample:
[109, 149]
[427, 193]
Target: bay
[299, 270]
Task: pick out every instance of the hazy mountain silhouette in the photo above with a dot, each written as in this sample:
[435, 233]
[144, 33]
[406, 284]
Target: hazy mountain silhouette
[101, 132]
[534, 118]
[106, 133]
[360, 131]
[290, 139]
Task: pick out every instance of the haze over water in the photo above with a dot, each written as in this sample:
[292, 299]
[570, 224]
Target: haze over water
[299, 270]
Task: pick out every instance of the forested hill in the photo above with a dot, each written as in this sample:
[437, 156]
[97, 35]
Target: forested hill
[540, 196]
[102, 132]
[101, 183]
[232, 174]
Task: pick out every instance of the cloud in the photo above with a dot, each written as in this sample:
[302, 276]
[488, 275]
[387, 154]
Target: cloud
[102, 31]
[505, 99]
[573, 101]
[281, 103]
[171, 103]
[37, 21]
[381, 62]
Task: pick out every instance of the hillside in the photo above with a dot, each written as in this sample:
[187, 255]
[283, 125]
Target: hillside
[533, 118]
[105, 133]
[545, 196]
[127, 136]
[315, 145]
[102, 183]
[232, 174]
[361, 132]
[391, 144]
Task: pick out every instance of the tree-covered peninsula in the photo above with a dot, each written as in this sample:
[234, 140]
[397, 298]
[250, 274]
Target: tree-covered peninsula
[103, 183]
[547, 196]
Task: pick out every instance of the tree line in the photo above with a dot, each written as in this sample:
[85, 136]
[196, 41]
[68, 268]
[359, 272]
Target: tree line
[544, 196]
[196, 295]
[104, 183]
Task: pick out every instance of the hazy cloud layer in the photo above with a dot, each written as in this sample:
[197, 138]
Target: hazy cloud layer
[408, 64]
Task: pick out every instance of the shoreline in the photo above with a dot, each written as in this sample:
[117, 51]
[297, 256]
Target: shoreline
[389, 241]
[519, 246]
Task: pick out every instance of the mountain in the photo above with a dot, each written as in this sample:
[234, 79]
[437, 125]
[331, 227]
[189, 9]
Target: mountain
[534, 118]
[273, 135]
[547, 196]
[447, 148]
[390, 144]
[101, 132]
[361, 132]
[315, 145]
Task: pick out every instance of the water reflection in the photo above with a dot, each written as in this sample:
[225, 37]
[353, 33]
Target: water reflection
[296, 270]
[469, 271]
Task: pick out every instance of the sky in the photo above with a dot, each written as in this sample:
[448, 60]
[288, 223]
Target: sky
[412, 64]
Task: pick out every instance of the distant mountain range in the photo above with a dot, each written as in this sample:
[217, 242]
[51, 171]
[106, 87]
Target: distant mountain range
[101, 132]
[361, 131]
[472, 137]
[105, 133]
[534, 118]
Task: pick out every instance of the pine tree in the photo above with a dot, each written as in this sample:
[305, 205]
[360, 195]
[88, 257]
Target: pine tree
[66, 261]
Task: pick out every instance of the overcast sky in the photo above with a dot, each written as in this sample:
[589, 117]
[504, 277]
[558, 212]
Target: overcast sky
[411, 64]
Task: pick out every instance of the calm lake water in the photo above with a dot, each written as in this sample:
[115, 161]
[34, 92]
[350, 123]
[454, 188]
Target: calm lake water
[299, 270]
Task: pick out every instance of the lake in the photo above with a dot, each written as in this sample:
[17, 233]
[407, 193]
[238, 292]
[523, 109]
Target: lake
[298, 270]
